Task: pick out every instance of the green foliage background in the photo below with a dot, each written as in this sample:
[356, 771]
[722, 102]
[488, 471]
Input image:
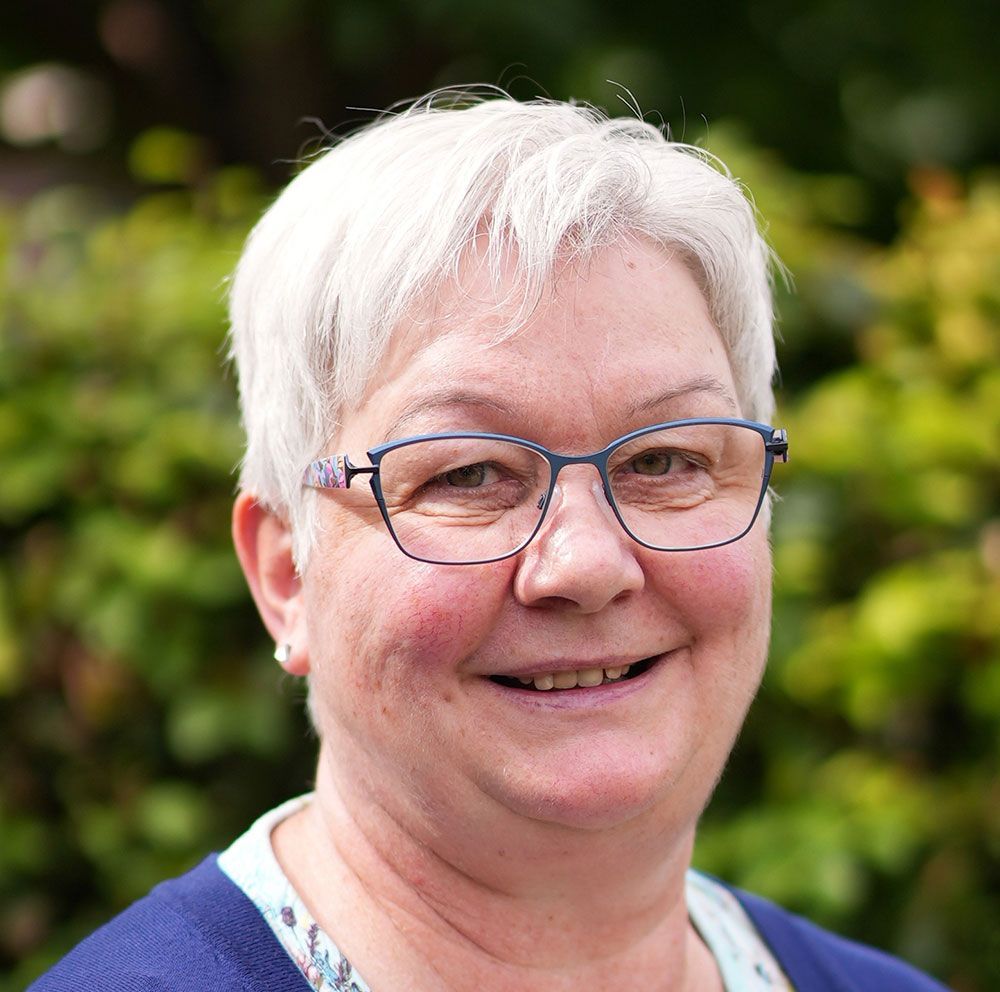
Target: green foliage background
[144, 723]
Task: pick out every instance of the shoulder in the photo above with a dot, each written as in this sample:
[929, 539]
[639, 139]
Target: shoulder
[819, 961]
[194, 932]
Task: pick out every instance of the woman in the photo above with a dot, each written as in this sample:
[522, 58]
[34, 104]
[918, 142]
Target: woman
[534, 614]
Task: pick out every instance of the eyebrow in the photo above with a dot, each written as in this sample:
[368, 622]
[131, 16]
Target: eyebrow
[700, 384]
[460, 398]
[444, 401]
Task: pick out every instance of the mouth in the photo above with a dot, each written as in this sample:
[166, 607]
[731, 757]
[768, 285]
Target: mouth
[575, 679]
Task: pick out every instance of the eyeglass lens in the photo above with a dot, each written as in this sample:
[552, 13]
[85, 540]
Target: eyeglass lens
[475, 499]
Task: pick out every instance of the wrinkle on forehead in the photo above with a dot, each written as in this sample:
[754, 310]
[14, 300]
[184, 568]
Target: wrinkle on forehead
[449, 354]
[463, 399]
[491, 292]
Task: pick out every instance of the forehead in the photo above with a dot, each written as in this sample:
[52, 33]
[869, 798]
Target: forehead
[621, 340]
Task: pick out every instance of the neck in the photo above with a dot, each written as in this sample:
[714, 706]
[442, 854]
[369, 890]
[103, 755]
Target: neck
[544, 906]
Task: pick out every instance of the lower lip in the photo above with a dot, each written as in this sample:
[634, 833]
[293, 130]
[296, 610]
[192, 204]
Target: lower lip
[583, 697]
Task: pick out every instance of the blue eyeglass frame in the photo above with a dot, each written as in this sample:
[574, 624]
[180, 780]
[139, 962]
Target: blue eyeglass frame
[337, 472]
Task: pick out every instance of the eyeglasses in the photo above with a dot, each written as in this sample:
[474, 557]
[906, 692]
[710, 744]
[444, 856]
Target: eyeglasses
[470, 498]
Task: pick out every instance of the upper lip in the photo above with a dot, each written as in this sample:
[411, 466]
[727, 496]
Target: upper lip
[573, 665]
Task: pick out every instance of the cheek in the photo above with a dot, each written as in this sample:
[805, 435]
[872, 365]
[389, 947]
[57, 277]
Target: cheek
[433, 623]
[414, 620]
[724, 592]
[733, 605]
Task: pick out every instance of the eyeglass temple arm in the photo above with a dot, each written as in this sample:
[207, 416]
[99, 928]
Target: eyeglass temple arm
[778, 445]
[335, 472]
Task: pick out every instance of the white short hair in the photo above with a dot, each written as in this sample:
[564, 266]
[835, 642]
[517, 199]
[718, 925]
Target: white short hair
[385, 217]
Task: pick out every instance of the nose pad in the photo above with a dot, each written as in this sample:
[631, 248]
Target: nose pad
[602, 500]
[597, 486]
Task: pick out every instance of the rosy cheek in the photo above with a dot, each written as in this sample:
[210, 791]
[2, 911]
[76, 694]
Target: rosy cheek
[435, 617]
[725, 587]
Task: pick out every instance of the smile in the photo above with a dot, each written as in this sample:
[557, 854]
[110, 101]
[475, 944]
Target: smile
[582, 678]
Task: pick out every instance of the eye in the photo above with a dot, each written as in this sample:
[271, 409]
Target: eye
[468, 476]
[652, 463]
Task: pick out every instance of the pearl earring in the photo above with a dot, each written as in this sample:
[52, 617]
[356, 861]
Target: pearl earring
[283, 654]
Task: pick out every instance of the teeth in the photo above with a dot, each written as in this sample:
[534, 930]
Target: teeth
[569, 680]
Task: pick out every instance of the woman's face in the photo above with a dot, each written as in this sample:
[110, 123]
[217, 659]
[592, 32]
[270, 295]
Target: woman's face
[402, 652]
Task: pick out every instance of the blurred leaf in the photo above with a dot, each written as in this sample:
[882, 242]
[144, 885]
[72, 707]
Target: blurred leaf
[167, 155]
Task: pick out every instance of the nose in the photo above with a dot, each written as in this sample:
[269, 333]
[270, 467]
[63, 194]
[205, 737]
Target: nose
[581, 559]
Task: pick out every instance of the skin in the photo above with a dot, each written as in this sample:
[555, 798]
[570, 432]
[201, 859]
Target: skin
[467, 836]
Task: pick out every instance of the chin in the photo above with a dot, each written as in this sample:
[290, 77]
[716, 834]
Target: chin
[600, 793]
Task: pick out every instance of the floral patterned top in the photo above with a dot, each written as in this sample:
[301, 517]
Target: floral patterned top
[743, 958]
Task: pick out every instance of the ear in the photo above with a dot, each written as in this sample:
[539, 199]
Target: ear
[264, 547]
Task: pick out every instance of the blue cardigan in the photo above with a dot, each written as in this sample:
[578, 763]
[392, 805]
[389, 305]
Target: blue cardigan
[200, 933]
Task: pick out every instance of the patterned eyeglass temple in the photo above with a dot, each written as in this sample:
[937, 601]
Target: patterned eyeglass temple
[328, 473]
